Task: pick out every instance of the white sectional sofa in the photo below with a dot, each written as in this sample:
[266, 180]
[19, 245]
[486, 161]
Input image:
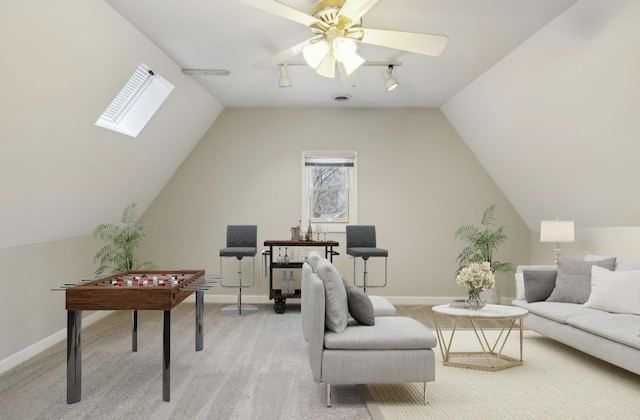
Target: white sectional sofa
[606, 325]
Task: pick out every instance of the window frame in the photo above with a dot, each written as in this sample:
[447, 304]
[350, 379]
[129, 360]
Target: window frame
[305, 201]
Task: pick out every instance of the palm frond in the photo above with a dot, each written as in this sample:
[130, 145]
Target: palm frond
[118, 254]
[480, 243]
[487, 216]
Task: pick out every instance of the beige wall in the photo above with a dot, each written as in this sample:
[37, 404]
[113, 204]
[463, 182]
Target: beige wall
[29, 310]
[63, 63]
[418, 182]
[555, 122]
[60, 175]
[621, 242]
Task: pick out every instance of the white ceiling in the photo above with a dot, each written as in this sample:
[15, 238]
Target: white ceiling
[226, 34]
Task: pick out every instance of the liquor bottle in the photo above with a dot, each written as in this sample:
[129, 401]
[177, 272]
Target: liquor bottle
[309, 236]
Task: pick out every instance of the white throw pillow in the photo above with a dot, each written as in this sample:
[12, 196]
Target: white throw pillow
[336, 304]
[614, 291]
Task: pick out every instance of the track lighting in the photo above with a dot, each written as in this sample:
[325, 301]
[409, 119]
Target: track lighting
[285, 81]
[328, 66]
[390, 82]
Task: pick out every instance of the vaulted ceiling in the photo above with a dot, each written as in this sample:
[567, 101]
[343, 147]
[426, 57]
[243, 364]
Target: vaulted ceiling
[544, 92]
[227, 34]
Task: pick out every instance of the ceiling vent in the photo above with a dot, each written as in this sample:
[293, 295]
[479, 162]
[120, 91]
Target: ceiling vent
[342, 98]
[136, 103]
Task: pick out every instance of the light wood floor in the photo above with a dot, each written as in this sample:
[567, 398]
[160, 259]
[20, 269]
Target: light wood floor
[423, 314]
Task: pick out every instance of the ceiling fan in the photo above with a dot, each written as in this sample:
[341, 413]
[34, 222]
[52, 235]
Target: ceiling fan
[337, 28]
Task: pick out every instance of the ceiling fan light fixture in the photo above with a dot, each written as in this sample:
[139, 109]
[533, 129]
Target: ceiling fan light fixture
[314, 53]
[285, 81]
[352, 63]
[344, 48]
[390, 82]
[327, 67]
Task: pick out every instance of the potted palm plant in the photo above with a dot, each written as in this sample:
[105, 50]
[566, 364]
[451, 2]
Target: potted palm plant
[480, 244]
[118, 253]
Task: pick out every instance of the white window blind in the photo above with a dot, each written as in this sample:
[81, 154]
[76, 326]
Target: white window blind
[135, 104]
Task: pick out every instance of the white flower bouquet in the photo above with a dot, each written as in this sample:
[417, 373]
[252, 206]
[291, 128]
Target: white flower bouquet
[476, 277]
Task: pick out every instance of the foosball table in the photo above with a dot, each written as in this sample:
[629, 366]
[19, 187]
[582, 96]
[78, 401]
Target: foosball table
[132, 290]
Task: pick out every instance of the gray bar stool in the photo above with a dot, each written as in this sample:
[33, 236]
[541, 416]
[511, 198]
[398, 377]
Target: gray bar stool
[241, 242]
[361, 243]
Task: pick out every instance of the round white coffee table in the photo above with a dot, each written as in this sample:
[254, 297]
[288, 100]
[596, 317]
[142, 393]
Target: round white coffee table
[491, 356]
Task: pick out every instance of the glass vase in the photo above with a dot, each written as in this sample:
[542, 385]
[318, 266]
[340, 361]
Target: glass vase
[475, 299]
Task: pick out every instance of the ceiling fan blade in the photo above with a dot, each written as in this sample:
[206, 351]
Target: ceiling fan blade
[426, 44]
[282, 10]
[285, 55]
[355, 9]
[348, 80]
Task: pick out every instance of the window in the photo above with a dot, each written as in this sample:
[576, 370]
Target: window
[136, 102]
[329, 189]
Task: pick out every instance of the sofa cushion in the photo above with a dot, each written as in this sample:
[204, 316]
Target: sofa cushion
[573, 283]
[620, 328]
[615, 291]
[389, 333]
[360, 306]
[382, 307]
[538, 284]
[555, 311]
[336, 304]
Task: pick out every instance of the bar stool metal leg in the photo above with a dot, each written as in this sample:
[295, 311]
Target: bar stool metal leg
[239, 309]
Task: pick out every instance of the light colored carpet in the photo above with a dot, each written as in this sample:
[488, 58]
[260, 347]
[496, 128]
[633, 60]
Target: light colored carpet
[555, 382]
[253, 367]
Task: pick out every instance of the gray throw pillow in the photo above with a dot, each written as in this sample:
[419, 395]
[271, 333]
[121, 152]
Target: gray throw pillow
[538, 284]
[336, 309]
[360, 306]
[573, 284]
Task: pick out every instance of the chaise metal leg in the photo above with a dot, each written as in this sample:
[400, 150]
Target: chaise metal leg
[424, 392]
[328, 395]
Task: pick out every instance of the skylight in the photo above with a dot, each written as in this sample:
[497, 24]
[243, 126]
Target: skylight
[137, 102]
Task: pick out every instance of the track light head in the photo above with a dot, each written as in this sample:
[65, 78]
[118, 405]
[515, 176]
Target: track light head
[285, 81]
[390, 82]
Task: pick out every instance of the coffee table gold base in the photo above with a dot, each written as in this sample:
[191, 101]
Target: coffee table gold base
[491, 358]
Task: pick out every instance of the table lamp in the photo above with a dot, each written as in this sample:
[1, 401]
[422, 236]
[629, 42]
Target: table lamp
[557, 231]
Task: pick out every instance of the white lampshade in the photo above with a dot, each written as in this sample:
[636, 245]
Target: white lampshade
[327, 67]
[557, 231]
[352, 63]
[314, 53]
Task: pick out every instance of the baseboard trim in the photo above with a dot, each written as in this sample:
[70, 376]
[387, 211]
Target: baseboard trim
[23, 355]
